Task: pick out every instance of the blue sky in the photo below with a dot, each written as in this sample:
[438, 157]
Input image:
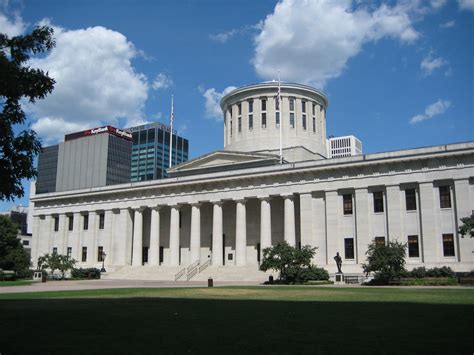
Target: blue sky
[398, 74]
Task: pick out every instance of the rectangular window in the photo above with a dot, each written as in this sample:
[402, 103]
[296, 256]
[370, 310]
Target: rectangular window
[26, 242]
[448, 245]
[277, 118]
[70, 222]
[180, 219]
[100, 253]
[55, 250]
[292, 119]
[349, 248]
[250, 121]
[379, 241]
[231, 128]
[264, 119]
[264, 104]
[292, 104]
[410, 199]
[85, 224]
[314, 124]
[239, 124]
[250, 106]
[444, 197]
[347, 203]
[56, 223]
[239, 108]
[101, 220]
[314, 109]
[84, 254]
[69, 253]
[378, 201]
[413, 248]
[303, 106]
[304, 122]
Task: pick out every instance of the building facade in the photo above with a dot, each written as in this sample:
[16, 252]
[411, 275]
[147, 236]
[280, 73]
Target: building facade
[151, 151]
[91, 158]
[346, 146]
[224, 208]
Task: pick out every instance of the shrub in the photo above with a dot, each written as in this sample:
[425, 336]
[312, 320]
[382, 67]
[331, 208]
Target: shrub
[429, 281]
[88, 273]
[386, 261]
[312, 273]
[24, 274]
[418, 272]
[444, 271]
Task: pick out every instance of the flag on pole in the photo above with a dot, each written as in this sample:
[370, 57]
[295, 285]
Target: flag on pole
[280, 120]
[171, 130]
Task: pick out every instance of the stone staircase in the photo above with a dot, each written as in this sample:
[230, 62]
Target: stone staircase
[168, 273]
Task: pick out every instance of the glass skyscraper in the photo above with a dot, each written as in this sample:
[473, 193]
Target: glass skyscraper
[151, 151]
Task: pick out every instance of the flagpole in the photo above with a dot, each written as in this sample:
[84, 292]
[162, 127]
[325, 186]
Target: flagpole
[280, 106]
[171, 130]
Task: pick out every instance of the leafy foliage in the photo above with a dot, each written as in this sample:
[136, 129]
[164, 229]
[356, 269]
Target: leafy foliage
[18, 81]
[387, 261]
[12, 254]
[467, 226]
[55, 262]
[422, 272]
[89, 273]
[293, 265]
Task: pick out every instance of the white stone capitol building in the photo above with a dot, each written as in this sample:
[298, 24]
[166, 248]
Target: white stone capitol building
[222, 209]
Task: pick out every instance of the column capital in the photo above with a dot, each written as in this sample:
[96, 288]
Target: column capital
[218, 202]
[196, 204]
[288, 196]
[139, 209]
[156, 208]
[265, 198]
[241, 201]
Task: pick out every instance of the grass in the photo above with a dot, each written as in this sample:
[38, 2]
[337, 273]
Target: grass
[15, 283]
[259, 320]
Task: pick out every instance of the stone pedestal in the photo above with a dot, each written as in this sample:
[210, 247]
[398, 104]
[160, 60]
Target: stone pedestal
[339, 278]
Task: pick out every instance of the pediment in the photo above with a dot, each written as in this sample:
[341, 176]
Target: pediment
[224, 159]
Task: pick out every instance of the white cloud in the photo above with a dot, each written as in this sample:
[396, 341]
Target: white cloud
[448, 24]
[53, 130]
[13, 27]
[436, 4]
[431, 63]
[223, 37]
[162, 81]
[213, 98]
[311, 41]
[466, 4]
[95, 82]
[437, 108]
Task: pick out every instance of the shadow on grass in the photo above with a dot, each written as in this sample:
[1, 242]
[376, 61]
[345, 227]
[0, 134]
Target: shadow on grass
[160, 325]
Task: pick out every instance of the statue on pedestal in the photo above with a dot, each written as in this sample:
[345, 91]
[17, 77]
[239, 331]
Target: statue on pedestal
[338, 260]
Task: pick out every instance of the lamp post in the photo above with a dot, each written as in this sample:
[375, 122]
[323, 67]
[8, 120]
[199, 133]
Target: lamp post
[103, 262]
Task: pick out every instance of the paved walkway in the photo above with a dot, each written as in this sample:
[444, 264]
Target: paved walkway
[69, 285]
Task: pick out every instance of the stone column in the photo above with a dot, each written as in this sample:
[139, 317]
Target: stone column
[75, 242]
[154, 251]
[241, 234]
[195, 242]
[174, 236]
[362, 237]
[429, 231]
[92, 230]
[47, 230]
[265, 225]
[62, 234]
[217, 246]
[289, 230]
[464, 207]
[108, 236]
[394, 218]
[333, 240]
[137, 237]
[35, 240]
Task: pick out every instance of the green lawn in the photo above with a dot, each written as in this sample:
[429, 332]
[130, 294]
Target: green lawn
[261, 320]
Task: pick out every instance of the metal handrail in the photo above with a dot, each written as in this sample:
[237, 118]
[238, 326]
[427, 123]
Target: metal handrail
[205, 265]
[179, 274]
[192, 266]
[192, 273]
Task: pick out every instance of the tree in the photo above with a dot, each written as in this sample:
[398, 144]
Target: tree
[467, 226]
[55, 262]
[12, 254]
[292, 264]
[17, 81]
[387, 261]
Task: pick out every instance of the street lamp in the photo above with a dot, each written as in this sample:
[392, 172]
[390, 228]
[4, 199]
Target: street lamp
[103, 262]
